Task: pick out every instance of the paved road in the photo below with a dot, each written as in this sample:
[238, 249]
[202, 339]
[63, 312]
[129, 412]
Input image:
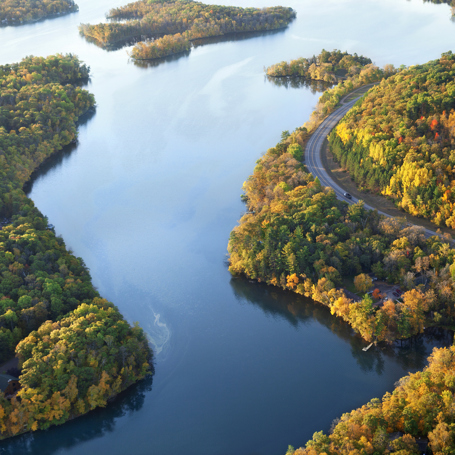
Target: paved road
[313, 159]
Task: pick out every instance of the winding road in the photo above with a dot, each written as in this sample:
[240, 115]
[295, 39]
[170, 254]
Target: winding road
[313, 159]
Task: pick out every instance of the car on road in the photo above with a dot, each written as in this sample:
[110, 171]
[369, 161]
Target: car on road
[347, 195]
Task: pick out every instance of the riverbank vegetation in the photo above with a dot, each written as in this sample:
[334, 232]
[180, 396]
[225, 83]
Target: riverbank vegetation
[330, 99]
[299, 236]
[419, 411]
[14, 12]
[327, 66]
[405, 119]
[170, 26]
[399, 140]
[75, 349]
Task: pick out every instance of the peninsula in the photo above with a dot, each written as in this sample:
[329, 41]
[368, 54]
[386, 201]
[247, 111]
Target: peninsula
[299, 236]
[312, 239]
[74, 348]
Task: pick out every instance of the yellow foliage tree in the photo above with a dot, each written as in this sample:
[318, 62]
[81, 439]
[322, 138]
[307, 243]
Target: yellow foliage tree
[363, 282]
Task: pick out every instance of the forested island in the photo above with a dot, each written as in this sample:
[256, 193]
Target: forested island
[75, 350]
[399, 141]
[170, 26]
[14, 12]
[327, 66]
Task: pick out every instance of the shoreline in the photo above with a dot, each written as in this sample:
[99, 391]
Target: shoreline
[118, 44]
[27, 186]
[86, 307]
[39, 19]
[338, 298]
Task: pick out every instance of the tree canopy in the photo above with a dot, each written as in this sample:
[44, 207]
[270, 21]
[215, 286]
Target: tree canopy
[170, 26]
[399, 140]
[75, 349]
[421, 408]
[13, 12]
[297, 235]
[327, 66]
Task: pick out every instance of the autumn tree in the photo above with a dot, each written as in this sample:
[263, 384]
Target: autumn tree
[363, 282]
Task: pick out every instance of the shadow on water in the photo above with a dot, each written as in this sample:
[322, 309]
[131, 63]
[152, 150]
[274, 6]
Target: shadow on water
[231, 37]
[300, 82]
[411, 355]
[55, 160]
[134, 39]
[95, 424]
[451, 3]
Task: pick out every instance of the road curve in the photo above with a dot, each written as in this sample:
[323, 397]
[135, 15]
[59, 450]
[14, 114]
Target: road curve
[313, 159]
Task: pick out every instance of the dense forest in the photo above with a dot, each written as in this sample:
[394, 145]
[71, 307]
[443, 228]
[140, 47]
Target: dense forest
[330, 99]
[75, 349]
[399, 141]
[13, 12]
[299, 236]
[419, 411]
[171, 26]
[327, 66]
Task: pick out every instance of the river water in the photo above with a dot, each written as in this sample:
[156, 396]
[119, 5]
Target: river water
[148, 197]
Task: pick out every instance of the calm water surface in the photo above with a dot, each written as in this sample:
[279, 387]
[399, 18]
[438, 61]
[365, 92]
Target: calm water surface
[148, 198]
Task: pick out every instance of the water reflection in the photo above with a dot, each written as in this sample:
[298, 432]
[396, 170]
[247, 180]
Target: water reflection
[231, 37]
[197, 43]
[451, 3]
[411, 355]
[300, 82]
[95, 424]
[57, 159]
[158, 61]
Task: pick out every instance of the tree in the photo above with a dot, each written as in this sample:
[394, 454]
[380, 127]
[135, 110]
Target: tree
[296, 151]
[363, 282]
[406, 445]
[442, 440]
[10, 319]
[376, 294]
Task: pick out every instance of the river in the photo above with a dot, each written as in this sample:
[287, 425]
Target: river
[148, 198]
